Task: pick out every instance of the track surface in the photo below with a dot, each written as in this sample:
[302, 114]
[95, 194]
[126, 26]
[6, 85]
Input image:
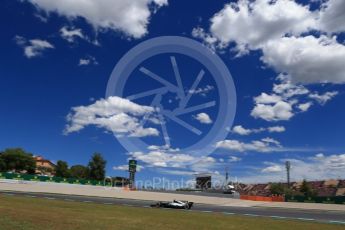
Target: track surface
[334, 217]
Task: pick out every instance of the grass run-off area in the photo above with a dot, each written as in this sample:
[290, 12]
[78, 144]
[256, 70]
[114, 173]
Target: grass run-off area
[38, 213]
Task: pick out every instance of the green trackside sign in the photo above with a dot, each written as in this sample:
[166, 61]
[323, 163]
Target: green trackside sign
[132, 165]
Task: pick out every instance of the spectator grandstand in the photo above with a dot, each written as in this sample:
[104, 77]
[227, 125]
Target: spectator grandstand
[320, 188]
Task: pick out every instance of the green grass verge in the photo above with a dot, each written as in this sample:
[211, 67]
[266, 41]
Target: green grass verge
[38, 213]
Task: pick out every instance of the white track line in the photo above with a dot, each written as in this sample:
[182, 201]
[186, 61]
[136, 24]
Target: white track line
[336, 222]
[279, 217]
[248, 214]
[308, 219]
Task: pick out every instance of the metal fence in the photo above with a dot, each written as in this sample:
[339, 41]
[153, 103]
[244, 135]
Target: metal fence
[317, 199]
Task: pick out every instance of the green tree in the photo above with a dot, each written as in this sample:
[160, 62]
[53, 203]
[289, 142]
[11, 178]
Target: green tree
[18, 160]
[97, 167]
[306, 189]
[3, 166]
[62, 169]
[277, 189]
[79, 172]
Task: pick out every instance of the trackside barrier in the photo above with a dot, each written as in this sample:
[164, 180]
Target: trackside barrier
[263, 198]
[27, 177]
[319, 199]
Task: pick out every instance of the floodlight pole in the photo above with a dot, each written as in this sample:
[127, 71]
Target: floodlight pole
[226, 175]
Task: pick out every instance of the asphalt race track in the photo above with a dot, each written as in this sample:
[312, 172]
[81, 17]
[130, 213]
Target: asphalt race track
[335, 217]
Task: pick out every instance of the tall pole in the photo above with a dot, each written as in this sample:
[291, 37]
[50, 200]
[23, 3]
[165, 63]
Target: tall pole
[288, 167]
[226, 175]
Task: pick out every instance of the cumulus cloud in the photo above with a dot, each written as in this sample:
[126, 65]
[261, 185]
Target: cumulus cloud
[332, 16]
[71, 34]
[34, 47]
[265, 98]
[277, 112]
[163, 158]
[307, 59]
[240, 130]
[323, 98]
[284, 101]
[281, 29]
[130, 17]
[172, 161]
[115, 114]
[203, 91]
[276, 129]
[272, 169]
[88, 60]
[203, 118]
[263, 145]
[250, 24]
[318, 167]
[234, 159]
[305, 106]
[126, 168]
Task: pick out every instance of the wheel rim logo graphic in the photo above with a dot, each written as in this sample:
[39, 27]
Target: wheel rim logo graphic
[210, 61]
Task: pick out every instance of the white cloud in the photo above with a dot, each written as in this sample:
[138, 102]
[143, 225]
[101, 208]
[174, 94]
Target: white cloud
[263, 145]
[33, 47]
[284, 103]
[323, 98]
[114, 114]
[332, 16]
[272, 169]
[281, 30]
[88, 60]
[70, 34]
[204, 165]
[125, 168]
[271, 141]
[210, 41]
[234, 159]
[250, 24]
[130, 17]
[202, 90]
[286, 89]
[277, 112]
[307, 59]
[161, 158]
[265, 98]
[305, 106]
[203, 118]
[239, 129]
[276, 129]
[319, 167]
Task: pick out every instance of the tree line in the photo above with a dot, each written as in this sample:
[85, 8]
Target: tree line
[18, 160]
[95, 170]
[282, 189]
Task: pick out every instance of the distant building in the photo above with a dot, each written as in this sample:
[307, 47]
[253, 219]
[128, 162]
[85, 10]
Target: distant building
[203, 181]
[44, 166]
[120, 181]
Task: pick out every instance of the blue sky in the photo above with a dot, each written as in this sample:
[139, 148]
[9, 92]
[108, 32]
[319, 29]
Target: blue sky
[286, 60]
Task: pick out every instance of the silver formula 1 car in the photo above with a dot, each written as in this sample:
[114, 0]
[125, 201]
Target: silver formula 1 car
[176, 204]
